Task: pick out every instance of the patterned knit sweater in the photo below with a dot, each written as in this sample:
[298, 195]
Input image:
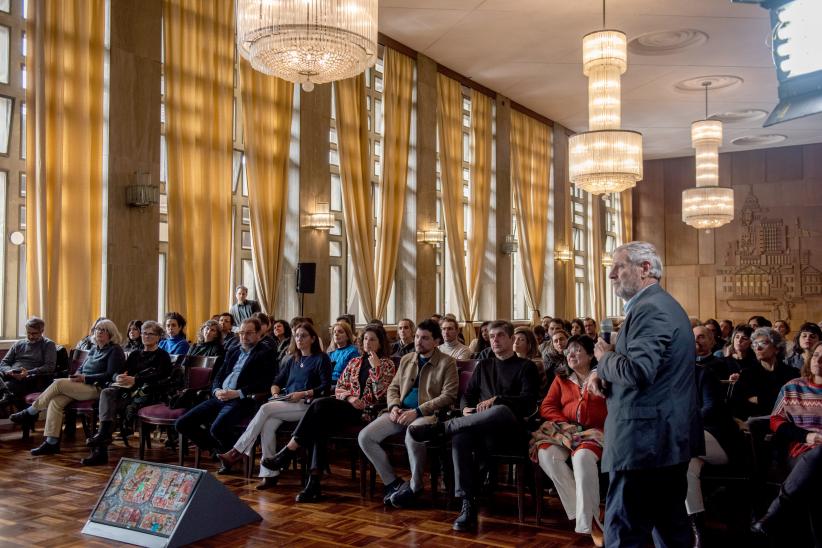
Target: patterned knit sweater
[798, 411]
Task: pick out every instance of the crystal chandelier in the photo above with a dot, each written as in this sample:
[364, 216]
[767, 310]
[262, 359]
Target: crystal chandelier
[605, 158]
[308, 41]
[708, 205]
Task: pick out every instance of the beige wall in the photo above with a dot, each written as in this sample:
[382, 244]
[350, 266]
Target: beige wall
[767, 261]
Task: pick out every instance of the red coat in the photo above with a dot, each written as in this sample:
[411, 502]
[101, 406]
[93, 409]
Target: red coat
[566, 403]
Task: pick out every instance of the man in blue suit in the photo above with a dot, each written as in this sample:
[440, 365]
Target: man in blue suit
[653, 426]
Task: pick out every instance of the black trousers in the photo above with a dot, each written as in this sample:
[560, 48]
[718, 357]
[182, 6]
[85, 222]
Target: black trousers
[323, 418]
[803, 490]
[648, 503]
[213, 424]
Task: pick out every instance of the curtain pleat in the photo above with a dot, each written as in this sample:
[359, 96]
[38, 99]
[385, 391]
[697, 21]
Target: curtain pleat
[626, 203]
[267, 104]
[480, 200]
[399, 82]
[449, 127]
[530, 174]
[199, 69]
[352, 132]
[64, 205]
[597, 232]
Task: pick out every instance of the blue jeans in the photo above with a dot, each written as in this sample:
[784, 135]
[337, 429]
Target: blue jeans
[212, 424]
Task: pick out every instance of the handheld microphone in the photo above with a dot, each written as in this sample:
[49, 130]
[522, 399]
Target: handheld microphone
[606, 327]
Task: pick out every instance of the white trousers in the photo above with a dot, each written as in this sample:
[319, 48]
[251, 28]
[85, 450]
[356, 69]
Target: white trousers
[577, 485]
[265, 424]
[714, 454]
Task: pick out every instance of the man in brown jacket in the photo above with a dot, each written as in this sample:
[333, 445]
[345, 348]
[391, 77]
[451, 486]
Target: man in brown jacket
[426, 382]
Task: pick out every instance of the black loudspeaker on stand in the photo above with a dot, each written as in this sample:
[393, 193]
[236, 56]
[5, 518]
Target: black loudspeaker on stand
[306, 276]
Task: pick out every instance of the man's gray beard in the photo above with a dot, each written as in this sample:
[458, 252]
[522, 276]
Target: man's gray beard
[627, 293]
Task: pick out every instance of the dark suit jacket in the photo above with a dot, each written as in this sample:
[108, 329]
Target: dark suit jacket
[716, 415]
[653, 417]
[257, 374]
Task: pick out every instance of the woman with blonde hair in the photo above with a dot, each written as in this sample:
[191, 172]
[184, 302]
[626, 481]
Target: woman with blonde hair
[344, 348]
[104, 360]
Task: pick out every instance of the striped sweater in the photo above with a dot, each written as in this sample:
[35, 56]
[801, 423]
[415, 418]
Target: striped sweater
[797, 412]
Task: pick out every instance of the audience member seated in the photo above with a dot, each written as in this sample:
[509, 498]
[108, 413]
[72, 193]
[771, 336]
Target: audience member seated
[809, 334]
[306, 375]
[209, 344]
[755, 322]
[574, 422]
[722, 436]
[727, 328]
[425, 384]
[282, 332]
[145, 381]
[363, 383]
[716, 330]
[546, 321]
[344, 349]
[479, 344]
[405, 338]
[525, 346]
[590, 327]
[226, 322]
[133, 339]
[244, 307]
[502, 392]
[704, 355]
[176, 341]
[554, 357]
[87, 342]
[738, 354]
[267, 337]
[27, 359]
[577, 327]
[784, 329]
[450, 340]
[756, 389]
[104, 361]
[247, 371]
[797, 420]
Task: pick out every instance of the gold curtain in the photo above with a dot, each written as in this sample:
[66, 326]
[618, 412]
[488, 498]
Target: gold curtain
[352, 132]
[626, 203]
[480, 201]
[64, 139]
[449, 127]
[399, 81]
[267, 108]
[597, 231]
[530, 172]
[199, 68]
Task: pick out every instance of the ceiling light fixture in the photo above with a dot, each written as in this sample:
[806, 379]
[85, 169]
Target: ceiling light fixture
[708, 205]
[605, 158]
[308, 41]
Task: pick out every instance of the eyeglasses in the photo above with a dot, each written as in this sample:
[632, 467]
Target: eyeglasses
[100, 330]
[759, 345]
[246, 333]
[149, 334]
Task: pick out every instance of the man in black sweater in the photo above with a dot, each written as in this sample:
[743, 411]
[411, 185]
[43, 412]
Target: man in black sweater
[502, 391]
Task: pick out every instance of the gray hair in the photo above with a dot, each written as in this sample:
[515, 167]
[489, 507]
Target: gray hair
[640, 252]
[38, 324]
[112, 330]
[239, 287]
[773, 336]
[154, 327]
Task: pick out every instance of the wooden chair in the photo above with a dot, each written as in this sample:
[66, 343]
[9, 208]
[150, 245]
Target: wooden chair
[197, 375]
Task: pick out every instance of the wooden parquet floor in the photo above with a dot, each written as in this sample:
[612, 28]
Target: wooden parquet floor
[45, 501]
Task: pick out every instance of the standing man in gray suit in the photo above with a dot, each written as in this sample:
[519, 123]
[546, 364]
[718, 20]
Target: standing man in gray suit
[653, 426]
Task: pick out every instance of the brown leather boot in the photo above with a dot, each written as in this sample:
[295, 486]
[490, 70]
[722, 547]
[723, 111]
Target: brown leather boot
[228, 459]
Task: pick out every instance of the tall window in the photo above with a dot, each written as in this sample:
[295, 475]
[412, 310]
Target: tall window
[343, 294]
[12, 168]
[613, 238]
[242, 271]
[579, 229]
[446, 294]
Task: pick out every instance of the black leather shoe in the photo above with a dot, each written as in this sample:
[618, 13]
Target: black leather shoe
[390, 489]
[467, 520]
[405, 497]
[97, 458]
[698, 528]
[267, 483]
[281, 460]
[46, 448]
[312, 492]
[431, 431]
[23, 418]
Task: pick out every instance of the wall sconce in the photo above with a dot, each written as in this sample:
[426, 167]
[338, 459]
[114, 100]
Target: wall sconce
[563, 255]
[510, 244]
[321, 219]
[142, 193]
[433, 236]
[607, 260]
